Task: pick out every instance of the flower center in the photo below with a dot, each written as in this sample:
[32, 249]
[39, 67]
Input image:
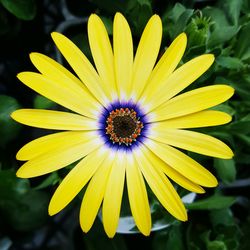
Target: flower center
[123, 126]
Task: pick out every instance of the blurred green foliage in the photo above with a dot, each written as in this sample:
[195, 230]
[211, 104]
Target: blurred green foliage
[218, 220]
[23, 9]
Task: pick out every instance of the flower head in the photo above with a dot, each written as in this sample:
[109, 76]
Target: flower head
[128, 121]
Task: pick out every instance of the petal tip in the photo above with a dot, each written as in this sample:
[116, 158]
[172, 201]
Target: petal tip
[201, 191]
[183, 36]
[13, 115]
[85, 228]
[110, 234]
[146, 233]
[51, 210]
[32, 54]
[20, 173]
[20, 75]
[213, 183]
[19, 156]
[93, 17]
[156, 18]
[118, 15]
[211, 58]
[56, 35]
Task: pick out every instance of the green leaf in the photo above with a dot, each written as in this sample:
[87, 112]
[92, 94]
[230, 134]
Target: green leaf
[213, 202]
[108, 24]
[216, 245]
[246, 9]
[24, 209]
[51, 180]
[175, 12]
[221, 217]
[245, 139]
[9, 128]
[11, 186]
[232, 9]
[103, 242]
[181, 23]
[138, 22]
[169, 239]
[222, 35]
[241, 126]
[225, 108]
[217, 15]
[27, 213]
[229, 234]
[221, 30]
[41, 102]
[23, 9]
[229, 62]
[225, 169]
[242, 49]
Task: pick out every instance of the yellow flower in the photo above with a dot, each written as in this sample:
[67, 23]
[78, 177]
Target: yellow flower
[127, 121]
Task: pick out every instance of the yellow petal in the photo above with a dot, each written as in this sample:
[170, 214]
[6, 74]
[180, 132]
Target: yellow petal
[180, 79]
[193, 101]
[183, 164]
[123, 55]
[102, 53]
[113, 195]
[161, 186]
[63, 93]
[95, 192]
[137, 194]
[77, 178]
[146, 54]
[204, 118]
[50, 119]
[192, 141]
[81, 65]
[165, 66]
[46, 143]
[54, 71]
[61, 156]
[173, 174]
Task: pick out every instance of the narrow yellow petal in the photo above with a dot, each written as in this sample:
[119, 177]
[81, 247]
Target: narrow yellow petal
[138, 198]
[192, 141]
[180, 79]
[113, 195]
[51, 119]
[102, 53]
[173, 174]
[53, 70]
[60, 157]
[204, 118]
[183, 164]
[161, 186]
[46, 143]
[81, 65]
[166, 65]
[63, 93]
[77, 178]
[95, 192]
[193, 101]
[146, 54]
[123, 55]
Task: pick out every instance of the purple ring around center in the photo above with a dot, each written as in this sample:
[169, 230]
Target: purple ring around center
[104, 114]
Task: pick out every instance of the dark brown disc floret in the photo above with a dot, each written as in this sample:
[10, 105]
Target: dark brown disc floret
[123, 126]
